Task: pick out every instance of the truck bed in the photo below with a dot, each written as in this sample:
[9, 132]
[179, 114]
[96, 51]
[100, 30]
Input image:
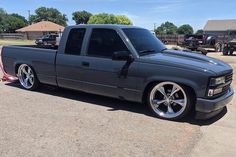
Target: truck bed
[41, 58]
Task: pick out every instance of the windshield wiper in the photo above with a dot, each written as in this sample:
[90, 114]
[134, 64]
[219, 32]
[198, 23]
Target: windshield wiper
[144, 52]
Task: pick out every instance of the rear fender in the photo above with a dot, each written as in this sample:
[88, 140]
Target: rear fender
[18, 63]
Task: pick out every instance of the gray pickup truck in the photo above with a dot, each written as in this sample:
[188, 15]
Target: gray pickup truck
[128, 63]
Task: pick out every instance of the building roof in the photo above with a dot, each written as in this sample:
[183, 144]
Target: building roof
[43, 26]
[220, 25]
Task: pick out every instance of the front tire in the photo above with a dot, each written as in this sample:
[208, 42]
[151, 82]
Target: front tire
[45, 43]
[27, 77]
[168, 100]
[225, 51]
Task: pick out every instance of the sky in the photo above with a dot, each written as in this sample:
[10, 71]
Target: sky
[144, 13]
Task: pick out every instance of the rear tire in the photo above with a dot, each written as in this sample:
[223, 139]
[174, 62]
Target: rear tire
[218, 47]
[27, 77]
[169, 100]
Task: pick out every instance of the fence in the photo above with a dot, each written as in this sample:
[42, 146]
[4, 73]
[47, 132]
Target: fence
[177, 39]
[171, 39]
[20, 36]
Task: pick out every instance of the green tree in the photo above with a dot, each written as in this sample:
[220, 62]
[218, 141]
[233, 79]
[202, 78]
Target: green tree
[185, 29]
[81, 17]
[2, 11]
[20, 17]
[48, 14]
[13, 23]
[166, 28]
[199, 32]
[122, 19]
[3, 15]
[105, 18]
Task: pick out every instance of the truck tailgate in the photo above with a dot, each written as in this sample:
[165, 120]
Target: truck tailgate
[3, 75]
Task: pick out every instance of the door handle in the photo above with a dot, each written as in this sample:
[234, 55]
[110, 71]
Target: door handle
[85, 64]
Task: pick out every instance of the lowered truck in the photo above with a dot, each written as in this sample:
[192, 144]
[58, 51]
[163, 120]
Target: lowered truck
[128, 63]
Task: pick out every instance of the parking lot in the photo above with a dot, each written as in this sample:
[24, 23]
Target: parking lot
[58, 122]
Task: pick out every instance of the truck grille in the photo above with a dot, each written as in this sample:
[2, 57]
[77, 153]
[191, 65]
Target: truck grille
[229, 77]
[226, 85]
[223, 88]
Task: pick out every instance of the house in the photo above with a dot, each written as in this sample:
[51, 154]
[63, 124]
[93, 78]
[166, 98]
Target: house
[39, 29]
[220, 27]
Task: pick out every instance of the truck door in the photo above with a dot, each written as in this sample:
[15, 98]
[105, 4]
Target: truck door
[101, 75]
[68, 63]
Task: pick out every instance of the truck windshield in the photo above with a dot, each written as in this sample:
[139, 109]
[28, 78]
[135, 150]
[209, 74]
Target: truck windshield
[144, 41]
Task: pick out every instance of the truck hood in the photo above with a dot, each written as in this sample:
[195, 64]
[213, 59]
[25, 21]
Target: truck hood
[188, 60]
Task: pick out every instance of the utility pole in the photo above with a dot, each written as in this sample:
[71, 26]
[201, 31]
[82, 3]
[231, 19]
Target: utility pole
[29, 16]
[154, 27]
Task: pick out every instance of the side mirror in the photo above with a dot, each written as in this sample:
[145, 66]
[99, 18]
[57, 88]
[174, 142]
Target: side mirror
[122, 56]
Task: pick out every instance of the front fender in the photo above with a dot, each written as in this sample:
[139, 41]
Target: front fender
[198, 88]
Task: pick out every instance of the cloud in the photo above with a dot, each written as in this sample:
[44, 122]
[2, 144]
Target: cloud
[168, 6]
[131, 16]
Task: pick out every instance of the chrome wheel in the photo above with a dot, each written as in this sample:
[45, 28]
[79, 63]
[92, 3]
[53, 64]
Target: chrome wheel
[26, 76]
[45, 43]
[168, 100]
[218, 48]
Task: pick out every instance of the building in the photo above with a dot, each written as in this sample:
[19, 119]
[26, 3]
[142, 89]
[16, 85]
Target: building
[220, 27]
[36, 30]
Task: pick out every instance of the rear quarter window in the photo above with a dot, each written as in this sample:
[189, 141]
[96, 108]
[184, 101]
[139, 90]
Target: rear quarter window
[75, 41]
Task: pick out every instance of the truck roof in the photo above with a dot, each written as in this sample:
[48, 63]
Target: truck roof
[103, 26]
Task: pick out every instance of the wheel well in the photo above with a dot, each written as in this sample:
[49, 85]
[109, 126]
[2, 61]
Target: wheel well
[152, 84]
[19, 64]
[17, 67]
[147, 89]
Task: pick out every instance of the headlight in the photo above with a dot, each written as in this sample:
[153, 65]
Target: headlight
[217, 81]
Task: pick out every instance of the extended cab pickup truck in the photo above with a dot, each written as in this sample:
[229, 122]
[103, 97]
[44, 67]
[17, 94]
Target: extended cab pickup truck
[127, 63]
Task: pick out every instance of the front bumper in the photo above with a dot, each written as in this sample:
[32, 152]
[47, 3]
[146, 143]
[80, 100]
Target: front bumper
[206, 108]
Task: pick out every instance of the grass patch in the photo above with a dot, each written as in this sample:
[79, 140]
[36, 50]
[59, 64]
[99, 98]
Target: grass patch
[16, 42]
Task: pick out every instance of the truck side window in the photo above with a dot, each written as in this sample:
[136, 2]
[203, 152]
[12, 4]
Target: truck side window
[75, 41]
[104, 42]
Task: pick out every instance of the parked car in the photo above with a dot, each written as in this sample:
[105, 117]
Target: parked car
[230, 44]
[229, 47]
[49, 39]
[223, 43]
[127, 63]
[195, 42]
[192, 41]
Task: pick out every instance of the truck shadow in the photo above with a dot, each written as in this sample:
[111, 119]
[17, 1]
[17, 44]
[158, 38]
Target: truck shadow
[115, 104]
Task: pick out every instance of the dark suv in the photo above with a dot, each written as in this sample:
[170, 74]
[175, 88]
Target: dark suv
[49, 39]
